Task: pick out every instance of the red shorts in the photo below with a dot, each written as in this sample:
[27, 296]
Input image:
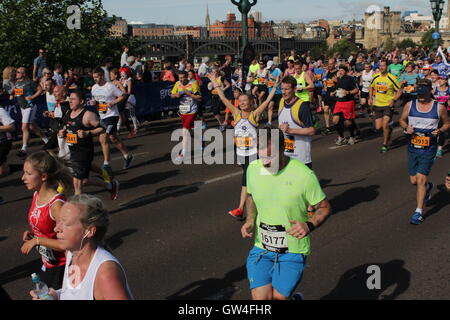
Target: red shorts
[187, 120]
[347, 109]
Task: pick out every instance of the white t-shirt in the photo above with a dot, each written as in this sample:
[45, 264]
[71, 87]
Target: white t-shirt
[51, 101]
[104, 94]
[123, 60]
[5, 120]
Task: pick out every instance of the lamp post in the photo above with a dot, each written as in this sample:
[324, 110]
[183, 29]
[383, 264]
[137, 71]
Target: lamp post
[244, 7]
[437, 6]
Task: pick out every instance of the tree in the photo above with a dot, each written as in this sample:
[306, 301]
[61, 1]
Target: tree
[406, 43]
[27, 25]
[389, 44]
[345, 48]
[427, 39]
[319, 51]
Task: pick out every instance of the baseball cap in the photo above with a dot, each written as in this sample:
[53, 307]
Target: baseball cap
[270, 64]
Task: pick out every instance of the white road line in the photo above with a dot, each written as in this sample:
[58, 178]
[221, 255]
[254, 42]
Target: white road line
[134, 154]
[168, 193]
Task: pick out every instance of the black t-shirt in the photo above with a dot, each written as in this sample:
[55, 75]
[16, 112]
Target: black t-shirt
[347, 83]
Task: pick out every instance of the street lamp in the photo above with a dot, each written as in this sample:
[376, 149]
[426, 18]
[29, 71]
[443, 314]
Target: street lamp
[437, 6]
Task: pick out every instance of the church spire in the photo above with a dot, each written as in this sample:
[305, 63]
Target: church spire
[207, 20]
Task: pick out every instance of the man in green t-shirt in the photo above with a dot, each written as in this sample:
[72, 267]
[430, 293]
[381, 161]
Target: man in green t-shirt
[280, 190]
[396, 68]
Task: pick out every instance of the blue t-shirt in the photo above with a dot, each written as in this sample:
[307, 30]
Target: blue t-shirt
[410, 80]
[320, 76]
[275, 73]
[441, 68]
[41, 63]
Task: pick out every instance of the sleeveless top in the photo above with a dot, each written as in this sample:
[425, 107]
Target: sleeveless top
[132, 98]
[51, 101]
[245, 135]
[303, 95]
[42, 225]
[85, 289]
[366, 80]
[80, 148]
[296, 146]
[424, 123]
[442, 97]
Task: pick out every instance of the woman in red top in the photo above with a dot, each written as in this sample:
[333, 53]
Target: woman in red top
[43, 174]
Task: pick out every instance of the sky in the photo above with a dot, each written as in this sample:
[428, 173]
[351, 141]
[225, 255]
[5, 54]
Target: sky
[192, 12]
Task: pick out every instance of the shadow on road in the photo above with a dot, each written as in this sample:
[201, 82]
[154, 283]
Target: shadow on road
[325, 183]
[213, 288]
[3, 238]
[116, 240]
[352, 197]
[158, 195]
[20, 272]
[353, 284]
[4, 295]
[149, 178]
[164, 158]
[439, 201]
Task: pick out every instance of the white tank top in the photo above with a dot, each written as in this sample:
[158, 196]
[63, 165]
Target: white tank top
[301, 144]
[366, 80]
[85, 290]
[245, 136]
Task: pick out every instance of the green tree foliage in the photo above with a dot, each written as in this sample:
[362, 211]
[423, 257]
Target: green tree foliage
[427, 39]
[389, 45]
[27, 25]
[407, 43]
[345, 48]
[318, 51]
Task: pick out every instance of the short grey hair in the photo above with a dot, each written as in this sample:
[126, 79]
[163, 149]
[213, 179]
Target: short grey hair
[95, 214]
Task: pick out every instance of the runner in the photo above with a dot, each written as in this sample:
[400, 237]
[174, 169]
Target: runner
[188, 93]
[344, 111]
[330, 96]
[408, 82]
[281, 228]
[304, 83]
[442, 95]
[127, 82]
[7, 127]
[237, 92]
[319, 75]
[366, 78]
[420, 120]
[114, 75]
[385, 90]
[273, 74]
[396, 68]
[92, 273]
[290, 70]
[246, 120]
[296, 121]
[216, 103]
[80, 125]
[25, 92]
[43, 173]
[260, 90]
[106, 96]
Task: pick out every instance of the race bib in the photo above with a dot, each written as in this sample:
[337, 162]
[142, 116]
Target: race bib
[382, 88]
[261, 80]
[273, 238]
[243, 143]
[71, 138]
[214, 92]
[270, 83]
[185, 108]
[410, 89]
[420, 141]
[289, 144]
[46, 253]
[102, 107]
[329, 83]
[318, 77]
[18, 92]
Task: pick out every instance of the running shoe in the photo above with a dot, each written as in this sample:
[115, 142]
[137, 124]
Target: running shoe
[341, 141]
[439, 153]
[237, 213]
[21, 154]
[428, 194]
[107, 173]
[114, 189]
[127, 161]
[384, 149]
[351, 141]
[268, 123]
[417, 218]
[297, 296]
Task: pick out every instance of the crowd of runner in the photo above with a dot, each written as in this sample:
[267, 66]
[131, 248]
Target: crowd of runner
[280, 208]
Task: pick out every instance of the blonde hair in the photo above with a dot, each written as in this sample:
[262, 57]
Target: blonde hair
[9, 73]
[57, 172]
[94, 214]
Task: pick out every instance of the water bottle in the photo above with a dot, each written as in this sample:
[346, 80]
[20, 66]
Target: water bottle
[41, 288]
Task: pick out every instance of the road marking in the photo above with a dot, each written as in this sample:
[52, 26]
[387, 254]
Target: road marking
[171, 192]
[134, 155]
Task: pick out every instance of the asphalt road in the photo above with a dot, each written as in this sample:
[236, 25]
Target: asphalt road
[171, 231]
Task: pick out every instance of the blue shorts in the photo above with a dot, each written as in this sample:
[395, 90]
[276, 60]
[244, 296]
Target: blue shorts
[420, 163]
[283, 270]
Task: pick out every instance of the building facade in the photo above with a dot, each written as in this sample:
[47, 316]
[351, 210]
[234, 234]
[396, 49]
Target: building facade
[231, 27]
[152, 30]
[119, 28]
[195, 32]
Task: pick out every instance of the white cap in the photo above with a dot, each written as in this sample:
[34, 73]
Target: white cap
[131, 59]
[270, 64]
